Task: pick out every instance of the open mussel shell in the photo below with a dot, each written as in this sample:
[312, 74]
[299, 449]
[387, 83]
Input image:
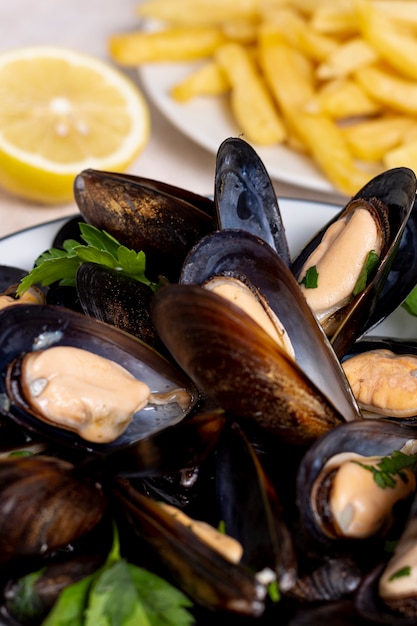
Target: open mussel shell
[25, 328]
[243, 485]
[200, 571]
[238, 365]
[161, 220]
[395, 189]
[367, 438]
[245, 197]
[241, 254]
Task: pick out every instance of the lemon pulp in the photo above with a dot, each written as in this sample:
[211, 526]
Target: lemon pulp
[61, 112]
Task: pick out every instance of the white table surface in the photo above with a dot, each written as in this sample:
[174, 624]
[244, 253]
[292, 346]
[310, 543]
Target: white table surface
[86, 25]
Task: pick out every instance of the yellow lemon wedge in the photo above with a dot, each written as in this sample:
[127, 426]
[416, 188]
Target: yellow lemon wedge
[63, 111]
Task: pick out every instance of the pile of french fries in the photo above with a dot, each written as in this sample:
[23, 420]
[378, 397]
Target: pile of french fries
[333, 79]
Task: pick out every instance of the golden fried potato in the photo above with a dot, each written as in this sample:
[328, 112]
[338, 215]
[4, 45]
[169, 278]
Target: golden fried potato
[343, 98]
[198, 12]
[207, 80]
[395, 92]
[250, 100]
[329, 150]
[289, 79]
[346, 58]
[397, 47]
[370, 139]
[175, 44]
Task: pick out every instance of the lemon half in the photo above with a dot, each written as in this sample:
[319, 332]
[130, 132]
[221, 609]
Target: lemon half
[63, 111]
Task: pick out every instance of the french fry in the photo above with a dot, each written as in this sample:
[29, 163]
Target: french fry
[207, 80]
[343, 98]
[396, 93]
[329, 149]
[198, 12]
[176, 44]
[250, 99]
[402, 11]
[404, 155]
[291, 85]
[334, 18]
[346, 58]
[370, 140]
[298, 33]
[396, 47]
[333, 79]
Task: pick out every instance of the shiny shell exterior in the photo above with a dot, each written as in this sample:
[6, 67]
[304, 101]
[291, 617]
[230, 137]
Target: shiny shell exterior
[161, 220]
[244, 196]
[235, 363]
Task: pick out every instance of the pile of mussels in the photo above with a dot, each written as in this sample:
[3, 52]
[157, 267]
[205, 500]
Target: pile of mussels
[251, 416]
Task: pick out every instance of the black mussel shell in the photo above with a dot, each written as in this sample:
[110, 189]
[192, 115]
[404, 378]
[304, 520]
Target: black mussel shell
[158, 219]
[245, 197]
[10, 276]
[115, 298]
[241, 254]
[199, 570]
[26, 328]
[244, 485]
[69, 230]
[396, 189]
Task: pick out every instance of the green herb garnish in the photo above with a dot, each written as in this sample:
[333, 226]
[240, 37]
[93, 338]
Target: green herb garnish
[371, 263]
[311, 278]
[390, 545]
[61, 265]
[410, 303]
[404, 571]
[273, 591]
[121, 594]
[390, 467]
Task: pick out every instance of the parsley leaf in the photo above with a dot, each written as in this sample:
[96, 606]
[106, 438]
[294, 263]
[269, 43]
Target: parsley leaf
[61, 265]
[390, 467]
[410, 303]
[404, 571]
[371, 263]
[311, 278]
[121, 594]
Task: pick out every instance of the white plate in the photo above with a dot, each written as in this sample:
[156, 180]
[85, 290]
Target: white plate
[208, 122]
[301, 218]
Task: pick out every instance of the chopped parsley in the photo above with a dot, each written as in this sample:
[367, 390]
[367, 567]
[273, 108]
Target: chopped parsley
[371, 263]
[311, 278]
[404, 571]
[61, 265]
[390, 468]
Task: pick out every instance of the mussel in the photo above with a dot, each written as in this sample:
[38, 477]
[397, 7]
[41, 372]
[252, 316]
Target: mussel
[384, 206]
[382, 375]
[377, 456]
[161, 220]
[29, 331]
[232, 255]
